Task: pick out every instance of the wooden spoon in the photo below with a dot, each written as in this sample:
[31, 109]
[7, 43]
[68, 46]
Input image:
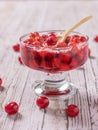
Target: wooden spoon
[63, 36]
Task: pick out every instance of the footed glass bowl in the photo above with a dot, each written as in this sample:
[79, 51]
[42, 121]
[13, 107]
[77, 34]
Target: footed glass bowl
[42, 51]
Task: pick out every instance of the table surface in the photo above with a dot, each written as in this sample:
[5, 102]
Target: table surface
[20, 17]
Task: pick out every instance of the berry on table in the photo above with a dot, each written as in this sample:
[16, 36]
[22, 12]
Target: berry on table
[20, 60]
[11, 108]
[0, 81]
[72, 110]
[16, 47]
[96, 39]
[42, 102]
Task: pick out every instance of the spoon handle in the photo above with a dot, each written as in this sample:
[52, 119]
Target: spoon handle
[66, 33]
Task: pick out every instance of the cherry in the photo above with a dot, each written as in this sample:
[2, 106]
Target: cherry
[20, 60]
[72, 110]
[11, 108]
[96, 39]
[16, 47]
[42, 102]
[0, 81]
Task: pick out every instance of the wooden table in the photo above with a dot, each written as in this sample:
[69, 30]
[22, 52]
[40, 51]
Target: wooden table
[20, 17]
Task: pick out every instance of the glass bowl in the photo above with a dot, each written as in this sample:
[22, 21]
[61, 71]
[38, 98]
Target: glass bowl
[54, 61]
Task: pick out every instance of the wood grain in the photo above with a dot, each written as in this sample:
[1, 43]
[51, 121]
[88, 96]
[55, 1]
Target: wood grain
[18, 18]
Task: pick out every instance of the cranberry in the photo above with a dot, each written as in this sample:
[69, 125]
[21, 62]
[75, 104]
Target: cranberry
[48, 59]
[96, 39]
[20, 60]
[51, 40]
[42, 102]
[11, 108]
[75, 39]
[33, 35]
[37, 38]
[44, 36]
[36, 33]
[65, 58]
[36, 43]
[61, 44]
[28, 41]
[68, 38]
[16, 47]
[74, 63]
[37, 58]
[72, 110]
[89, 52]
[52, 34]
[0, 81]
[82, 39]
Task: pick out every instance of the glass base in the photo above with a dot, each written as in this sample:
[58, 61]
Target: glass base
[55, 89]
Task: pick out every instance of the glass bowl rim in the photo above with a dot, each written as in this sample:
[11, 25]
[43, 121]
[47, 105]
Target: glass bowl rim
[52, 47]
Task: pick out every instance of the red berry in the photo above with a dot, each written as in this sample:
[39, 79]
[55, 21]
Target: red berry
[82, 38]
[16, 47]
[51, 40]
[28, 41]
[61, 44]
[20, 60]
[11, 108]
[36, 43]
[44, 36]
[42, 102]
[68, 38]
[65, 58]
[96, 39]
[72, 110]
[75, 39]
[52, 34]
[89, 52]
[0, 81]
[36, 34]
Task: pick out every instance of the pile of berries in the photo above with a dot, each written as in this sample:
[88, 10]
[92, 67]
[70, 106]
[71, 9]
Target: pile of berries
[51, 40]
[45, 52]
